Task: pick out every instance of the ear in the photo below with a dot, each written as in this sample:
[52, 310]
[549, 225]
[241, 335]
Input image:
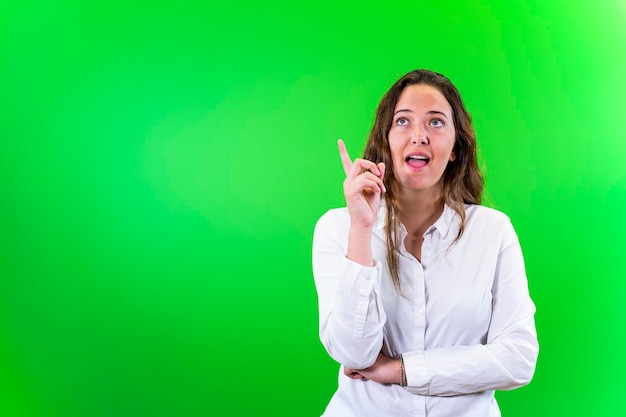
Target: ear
[453, 156]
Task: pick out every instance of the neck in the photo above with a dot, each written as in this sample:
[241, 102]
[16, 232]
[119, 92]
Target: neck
[419, 210]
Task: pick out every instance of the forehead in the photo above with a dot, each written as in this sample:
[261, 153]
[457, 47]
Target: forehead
[423, 97]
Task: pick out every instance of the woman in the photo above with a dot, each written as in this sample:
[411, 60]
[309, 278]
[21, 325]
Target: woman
[423, 296]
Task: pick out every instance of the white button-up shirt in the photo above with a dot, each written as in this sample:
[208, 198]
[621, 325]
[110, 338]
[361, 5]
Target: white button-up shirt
[464, 321]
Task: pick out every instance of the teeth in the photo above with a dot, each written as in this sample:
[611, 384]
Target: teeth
[417, 157]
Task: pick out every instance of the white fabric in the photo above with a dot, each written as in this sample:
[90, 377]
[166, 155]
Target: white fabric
[464, 322]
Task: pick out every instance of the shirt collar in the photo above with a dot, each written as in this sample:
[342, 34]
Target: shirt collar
[443, 223]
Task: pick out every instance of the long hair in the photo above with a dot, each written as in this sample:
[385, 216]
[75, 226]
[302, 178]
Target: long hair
[462, 179]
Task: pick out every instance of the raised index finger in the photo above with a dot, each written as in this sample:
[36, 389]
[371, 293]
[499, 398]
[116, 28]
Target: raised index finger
[345, 158]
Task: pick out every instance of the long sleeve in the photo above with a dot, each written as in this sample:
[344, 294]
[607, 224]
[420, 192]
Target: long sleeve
[350, 308]
[507, 359]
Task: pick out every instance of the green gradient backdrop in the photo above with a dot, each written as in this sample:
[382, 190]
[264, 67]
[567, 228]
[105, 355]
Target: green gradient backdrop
[163, 165]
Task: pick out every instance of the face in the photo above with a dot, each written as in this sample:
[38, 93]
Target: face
[421, 138]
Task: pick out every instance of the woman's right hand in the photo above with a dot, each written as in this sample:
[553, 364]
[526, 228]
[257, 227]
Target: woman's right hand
[362, 188]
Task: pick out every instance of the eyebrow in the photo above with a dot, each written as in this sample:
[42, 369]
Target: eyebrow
[428, 112]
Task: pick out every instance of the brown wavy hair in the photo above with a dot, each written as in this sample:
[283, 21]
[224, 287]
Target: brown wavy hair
[462, 180]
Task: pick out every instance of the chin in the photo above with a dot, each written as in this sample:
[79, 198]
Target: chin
[413, 186]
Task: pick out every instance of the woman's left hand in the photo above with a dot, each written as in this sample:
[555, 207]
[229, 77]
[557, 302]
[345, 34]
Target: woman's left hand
[384, 371]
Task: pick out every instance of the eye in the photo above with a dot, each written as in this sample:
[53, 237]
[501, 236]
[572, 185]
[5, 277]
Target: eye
[436, 123]
[402, 121]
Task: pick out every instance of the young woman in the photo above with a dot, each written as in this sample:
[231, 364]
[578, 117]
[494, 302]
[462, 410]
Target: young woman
[423, 297]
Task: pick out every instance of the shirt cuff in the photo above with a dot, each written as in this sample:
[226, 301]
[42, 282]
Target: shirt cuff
[416, 374]
[361, 275]
[359, 284]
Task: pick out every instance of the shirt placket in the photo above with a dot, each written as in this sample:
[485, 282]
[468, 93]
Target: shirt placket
[419, 311]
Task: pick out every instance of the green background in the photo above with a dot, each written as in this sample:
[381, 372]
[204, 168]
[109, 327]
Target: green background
[163, 165]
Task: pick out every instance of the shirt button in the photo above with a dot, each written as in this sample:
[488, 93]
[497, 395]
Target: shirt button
[420, 311]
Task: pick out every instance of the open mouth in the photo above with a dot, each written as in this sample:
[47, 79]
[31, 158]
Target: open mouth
[417, 161]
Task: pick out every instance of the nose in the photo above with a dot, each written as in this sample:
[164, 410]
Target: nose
[419, 136]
